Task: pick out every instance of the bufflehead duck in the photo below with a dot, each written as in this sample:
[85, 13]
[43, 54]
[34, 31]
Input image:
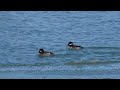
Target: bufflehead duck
[74, 47]
[45, 53]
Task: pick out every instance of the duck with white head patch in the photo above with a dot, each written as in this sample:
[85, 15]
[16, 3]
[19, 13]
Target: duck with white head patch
[72, 46]
[45, 53]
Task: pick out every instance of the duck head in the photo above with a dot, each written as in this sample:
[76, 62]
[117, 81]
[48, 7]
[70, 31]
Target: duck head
[41, 50]
[70, 44]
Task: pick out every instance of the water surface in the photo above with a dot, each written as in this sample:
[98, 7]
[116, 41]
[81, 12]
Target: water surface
[23, 33]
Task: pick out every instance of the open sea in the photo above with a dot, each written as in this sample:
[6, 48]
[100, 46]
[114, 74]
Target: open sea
[23, 33]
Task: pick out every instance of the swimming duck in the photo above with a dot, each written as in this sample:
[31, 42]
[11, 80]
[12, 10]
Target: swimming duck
[74, 47]
[45, 53]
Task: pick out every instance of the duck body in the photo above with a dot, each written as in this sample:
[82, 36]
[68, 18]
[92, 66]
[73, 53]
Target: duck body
[74, 47]
[45, 53]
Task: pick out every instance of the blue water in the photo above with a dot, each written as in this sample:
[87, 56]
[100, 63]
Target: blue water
[23, 33]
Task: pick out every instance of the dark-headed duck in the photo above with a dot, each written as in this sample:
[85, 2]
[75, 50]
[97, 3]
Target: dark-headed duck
[45, 53]
[74, 47]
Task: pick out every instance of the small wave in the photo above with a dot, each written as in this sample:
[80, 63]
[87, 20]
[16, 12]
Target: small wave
[38, 68]
[102, 47]
[92, 62]
[18, 65]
